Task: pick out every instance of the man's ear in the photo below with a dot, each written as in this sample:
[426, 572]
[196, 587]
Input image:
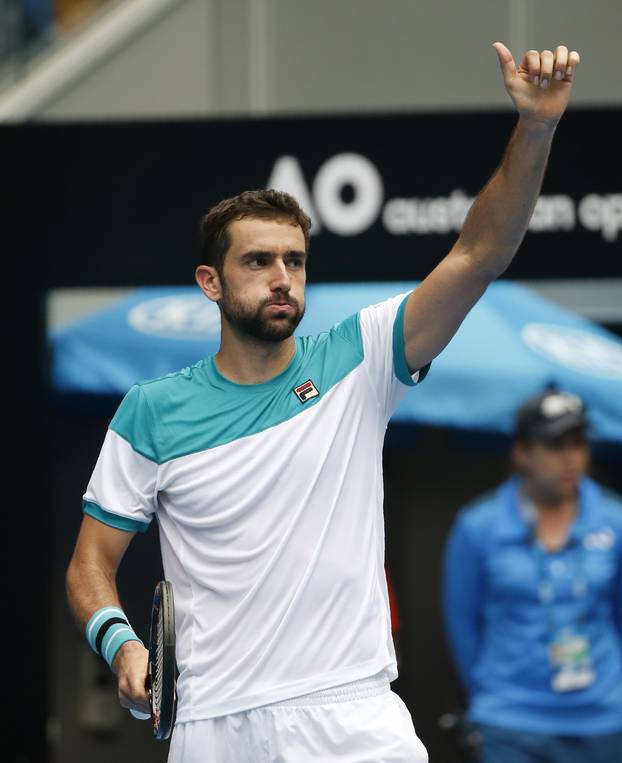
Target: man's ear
[209, 282]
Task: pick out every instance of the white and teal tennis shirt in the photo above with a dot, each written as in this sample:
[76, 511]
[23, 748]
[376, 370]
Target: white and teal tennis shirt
[269, 502]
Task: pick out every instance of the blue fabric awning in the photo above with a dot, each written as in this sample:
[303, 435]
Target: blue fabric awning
[512, 344]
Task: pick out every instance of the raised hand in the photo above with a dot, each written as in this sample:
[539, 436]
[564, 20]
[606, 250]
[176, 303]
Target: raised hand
[540, 87]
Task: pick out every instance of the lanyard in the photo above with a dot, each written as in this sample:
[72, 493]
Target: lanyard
[545, 573]
[548, 567]
[568, 648]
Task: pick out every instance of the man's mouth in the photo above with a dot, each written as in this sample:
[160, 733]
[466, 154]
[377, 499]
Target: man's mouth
[279, 307]
[280, 303]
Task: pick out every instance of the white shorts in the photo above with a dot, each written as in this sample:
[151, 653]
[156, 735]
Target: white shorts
[361, 722]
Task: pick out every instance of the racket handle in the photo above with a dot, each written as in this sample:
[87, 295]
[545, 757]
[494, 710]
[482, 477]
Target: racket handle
[140, 715]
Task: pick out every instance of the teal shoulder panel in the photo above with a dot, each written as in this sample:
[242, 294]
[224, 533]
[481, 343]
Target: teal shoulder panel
[134, 422]
[113, 520]
[400, 366]
[199, 408]
[350, 330]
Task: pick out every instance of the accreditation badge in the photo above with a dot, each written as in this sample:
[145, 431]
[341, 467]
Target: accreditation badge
[571, 661]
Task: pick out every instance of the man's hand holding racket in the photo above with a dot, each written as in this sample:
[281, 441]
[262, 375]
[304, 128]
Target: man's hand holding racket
[147, 677]
[131, 666]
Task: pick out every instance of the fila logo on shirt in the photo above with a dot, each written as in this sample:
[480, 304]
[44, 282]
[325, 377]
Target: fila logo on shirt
[306, 391]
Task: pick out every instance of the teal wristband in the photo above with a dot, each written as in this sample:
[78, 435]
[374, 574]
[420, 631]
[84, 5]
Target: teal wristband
[107, 630]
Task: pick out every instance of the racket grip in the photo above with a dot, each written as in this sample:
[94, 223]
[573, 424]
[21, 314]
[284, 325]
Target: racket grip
[140, 715]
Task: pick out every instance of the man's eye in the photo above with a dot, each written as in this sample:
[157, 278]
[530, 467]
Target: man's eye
[295, 262]
[258, 261]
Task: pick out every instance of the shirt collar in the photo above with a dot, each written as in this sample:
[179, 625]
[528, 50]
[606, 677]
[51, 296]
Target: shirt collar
[516, 518]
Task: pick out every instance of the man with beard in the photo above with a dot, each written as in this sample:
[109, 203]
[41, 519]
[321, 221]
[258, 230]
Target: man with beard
[263, 466]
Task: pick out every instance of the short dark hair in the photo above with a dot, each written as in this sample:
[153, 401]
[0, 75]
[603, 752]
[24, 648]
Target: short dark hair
[263, 203]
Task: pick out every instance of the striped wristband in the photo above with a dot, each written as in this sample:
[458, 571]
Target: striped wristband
[107, 630]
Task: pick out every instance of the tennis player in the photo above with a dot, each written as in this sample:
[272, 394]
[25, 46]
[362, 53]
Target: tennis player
[263, 467]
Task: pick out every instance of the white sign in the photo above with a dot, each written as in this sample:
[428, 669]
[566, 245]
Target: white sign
[329, 208]
[186, 318]
[421, 215]
[582, 351]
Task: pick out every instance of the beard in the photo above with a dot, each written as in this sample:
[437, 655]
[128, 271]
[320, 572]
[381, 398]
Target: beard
[253, 320]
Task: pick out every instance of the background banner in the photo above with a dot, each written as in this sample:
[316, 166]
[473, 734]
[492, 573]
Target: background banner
[120, 203]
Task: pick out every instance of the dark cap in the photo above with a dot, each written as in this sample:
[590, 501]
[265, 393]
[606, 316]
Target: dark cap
[550, 415]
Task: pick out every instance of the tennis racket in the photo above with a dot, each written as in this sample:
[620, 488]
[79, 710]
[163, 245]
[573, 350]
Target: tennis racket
[162, 672]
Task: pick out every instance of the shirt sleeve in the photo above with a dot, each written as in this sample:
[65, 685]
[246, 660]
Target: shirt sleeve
[382, 329]
[122, 491]
[463, 591]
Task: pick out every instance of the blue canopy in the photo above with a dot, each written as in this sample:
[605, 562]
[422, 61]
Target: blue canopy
[512, 344]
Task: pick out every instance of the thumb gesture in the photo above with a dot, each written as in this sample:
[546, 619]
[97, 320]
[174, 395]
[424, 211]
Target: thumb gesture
[540, 87]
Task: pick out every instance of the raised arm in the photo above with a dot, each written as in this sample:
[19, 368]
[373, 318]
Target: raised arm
[494, 228]
[91, 586]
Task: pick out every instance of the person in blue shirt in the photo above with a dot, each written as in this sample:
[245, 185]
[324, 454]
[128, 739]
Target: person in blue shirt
[532, 599]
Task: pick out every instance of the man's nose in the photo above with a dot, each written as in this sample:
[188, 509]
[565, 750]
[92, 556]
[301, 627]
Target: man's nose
[280, 277]
[572, 453]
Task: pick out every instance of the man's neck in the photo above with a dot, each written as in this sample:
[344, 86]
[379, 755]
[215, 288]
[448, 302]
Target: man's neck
[547, 500]
[252, 361]
[553, 515]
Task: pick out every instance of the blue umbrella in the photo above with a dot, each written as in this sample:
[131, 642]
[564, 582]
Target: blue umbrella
[512, 344]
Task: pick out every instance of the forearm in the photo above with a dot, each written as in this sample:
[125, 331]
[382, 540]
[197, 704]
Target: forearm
[91, 575]
[500, 215]
[90, 586]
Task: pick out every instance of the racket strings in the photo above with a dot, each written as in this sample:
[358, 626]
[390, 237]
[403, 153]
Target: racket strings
[162, 667]
[159, 664]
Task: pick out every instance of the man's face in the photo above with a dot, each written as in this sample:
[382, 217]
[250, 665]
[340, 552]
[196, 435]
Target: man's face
[263, 278]
[553, 469]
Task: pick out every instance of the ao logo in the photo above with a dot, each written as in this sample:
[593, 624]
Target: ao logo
[327, 205]
[189, 317]
[580, 350]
